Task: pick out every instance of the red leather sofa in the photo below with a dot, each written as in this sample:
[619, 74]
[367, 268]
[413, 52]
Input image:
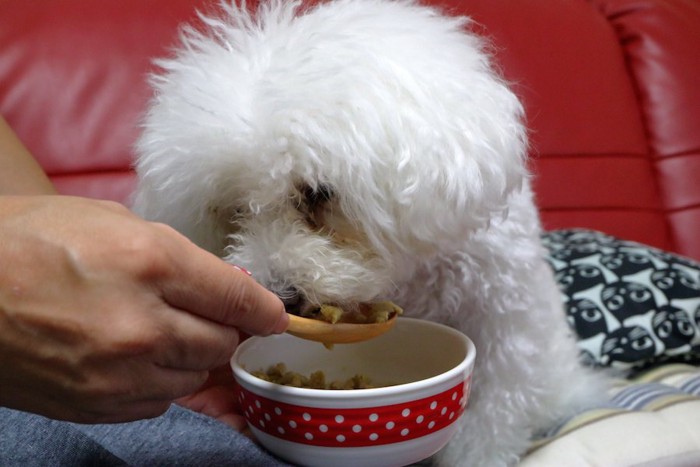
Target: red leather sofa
[611, 89]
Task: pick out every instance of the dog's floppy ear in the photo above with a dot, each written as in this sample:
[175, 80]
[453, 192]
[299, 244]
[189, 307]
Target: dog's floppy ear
[450, 169]
[423, 132]
[442, 131]
[404, 110]
[457, 176]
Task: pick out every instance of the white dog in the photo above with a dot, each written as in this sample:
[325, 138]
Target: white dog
[365, 150]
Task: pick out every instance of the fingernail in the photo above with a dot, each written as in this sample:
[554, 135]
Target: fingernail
[244, 270]
[282, 324]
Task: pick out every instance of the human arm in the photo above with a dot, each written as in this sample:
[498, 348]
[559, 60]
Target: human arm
[20, 174]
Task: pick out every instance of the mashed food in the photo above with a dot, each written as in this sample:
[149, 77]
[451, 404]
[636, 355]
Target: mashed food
[279, 374]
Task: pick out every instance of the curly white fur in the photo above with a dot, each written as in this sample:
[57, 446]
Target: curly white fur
[363, 150]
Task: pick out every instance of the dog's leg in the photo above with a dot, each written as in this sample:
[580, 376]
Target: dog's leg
[527, 378]
[527, 373]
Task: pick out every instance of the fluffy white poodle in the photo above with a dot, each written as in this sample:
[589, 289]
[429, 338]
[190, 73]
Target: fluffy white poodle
[365, 150]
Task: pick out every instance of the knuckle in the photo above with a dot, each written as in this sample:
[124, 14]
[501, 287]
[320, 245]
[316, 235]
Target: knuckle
[125, 338]
[166, 230]
[247, 309]
[146, 256]
[240, 302]
[138, 343]
[113, 206]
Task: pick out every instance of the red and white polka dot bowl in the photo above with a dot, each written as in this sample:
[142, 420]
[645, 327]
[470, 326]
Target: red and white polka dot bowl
[428, 366]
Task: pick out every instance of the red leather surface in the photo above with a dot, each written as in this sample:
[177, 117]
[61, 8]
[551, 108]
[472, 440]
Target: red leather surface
[73, 80]
[661, 43]
[564, 62]
[611, 89]
[589, 151]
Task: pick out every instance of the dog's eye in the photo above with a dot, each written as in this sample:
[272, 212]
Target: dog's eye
[317, 196]
[314, 203]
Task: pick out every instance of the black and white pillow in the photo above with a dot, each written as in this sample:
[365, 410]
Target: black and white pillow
[630, 304]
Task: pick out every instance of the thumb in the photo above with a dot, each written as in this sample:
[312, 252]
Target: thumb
[203, 284]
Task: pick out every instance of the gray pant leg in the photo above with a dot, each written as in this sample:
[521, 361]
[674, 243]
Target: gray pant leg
[179, 437]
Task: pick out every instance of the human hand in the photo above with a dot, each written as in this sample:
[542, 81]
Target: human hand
[216, 398]
[105, 317]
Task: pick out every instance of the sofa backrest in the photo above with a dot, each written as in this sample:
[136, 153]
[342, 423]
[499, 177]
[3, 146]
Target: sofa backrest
[612, 93]
[611, 89]
[73, 83]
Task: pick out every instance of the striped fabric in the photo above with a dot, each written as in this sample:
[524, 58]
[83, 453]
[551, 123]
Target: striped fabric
[651, 419]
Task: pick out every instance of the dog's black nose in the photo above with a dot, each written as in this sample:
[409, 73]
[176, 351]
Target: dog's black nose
[291, 298]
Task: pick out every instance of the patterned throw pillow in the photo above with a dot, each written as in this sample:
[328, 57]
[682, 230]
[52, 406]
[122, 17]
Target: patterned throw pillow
[630, 304]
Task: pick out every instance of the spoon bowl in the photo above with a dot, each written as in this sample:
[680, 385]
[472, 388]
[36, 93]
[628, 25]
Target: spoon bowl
[338, 333]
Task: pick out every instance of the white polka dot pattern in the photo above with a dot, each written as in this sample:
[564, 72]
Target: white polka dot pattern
[355, 427]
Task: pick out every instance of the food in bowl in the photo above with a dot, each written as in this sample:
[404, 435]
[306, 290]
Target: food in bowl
[429, 364]
[279, 374]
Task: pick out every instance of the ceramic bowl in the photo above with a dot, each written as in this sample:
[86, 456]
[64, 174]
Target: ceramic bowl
[425, 370]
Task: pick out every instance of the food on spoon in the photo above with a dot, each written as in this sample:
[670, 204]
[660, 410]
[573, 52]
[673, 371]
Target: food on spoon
[330, 313]
[365, 313]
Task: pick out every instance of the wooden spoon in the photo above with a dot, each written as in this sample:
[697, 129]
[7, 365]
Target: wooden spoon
[338, 333]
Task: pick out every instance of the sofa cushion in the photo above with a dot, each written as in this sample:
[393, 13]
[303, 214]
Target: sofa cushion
[631, 305]
[650, 420]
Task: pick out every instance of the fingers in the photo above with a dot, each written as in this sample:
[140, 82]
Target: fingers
[205, 285]
[160, 388]
[217, 399]
[194, 343]
[145, 393]
[168, 384]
